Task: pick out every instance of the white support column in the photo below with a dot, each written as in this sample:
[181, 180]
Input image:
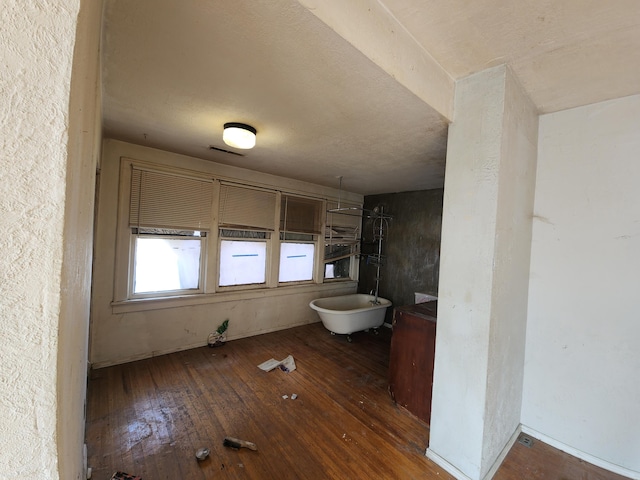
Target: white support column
[486, 243]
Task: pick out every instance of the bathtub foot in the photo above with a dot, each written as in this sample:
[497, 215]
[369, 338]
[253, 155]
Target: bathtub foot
[376, 331]
[332, 333]
[349, 339]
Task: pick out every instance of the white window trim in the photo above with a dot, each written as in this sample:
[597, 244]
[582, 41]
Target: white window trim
[251, 286]
[316, 242]
[211, 292]
[167, 293]
[158, 303]
[125, 251]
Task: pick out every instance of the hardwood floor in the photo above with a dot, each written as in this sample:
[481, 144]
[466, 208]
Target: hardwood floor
[149, 417]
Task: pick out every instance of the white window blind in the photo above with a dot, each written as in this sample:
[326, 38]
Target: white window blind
[163, 200]
[300, 215]
[242, 207]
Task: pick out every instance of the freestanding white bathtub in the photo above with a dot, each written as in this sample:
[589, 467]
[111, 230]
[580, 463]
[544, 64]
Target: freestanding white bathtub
[347, 314]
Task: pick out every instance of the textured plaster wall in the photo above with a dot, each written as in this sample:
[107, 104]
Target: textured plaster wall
[36, 48]
[581, 376]
[411, 245]
[486, 232]
[119, 336]
[516, 184]
[83, 153]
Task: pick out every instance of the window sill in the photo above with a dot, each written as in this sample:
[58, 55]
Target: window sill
[143, 304]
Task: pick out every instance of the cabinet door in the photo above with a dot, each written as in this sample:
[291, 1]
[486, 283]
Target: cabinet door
[411, 362]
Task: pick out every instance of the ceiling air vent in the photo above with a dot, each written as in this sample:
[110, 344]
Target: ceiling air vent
[218, 149]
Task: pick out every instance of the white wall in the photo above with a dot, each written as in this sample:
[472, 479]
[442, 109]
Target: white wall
[486, 232]
[83, 152]
[46, 196]
[511, 261]
[121, 333]
[582, 387]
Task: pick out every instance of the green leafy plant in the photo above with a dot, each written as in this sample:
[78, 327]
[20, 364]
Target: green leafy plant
[223, 327]
[217, 338]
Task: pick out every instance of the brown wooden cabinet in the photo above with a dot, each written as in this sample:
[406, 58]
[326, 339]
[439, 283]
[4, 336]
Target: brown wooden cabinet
[413, 345]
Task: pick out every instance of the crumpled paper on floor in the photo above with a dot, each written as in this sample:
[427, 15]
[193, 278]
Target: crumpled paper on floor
[286, 365]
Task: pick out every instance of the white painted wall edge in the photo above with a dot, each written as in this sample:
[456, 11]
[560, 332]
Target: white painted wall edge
[503, 454]
[581, 455]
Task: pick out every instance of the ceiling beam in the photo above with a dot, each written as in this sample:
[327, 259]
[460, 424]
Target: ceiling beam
[371, 28]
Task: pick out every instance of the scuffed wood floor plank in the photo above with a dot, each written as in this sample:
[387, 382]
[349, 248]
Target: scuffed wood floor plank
[149, 417]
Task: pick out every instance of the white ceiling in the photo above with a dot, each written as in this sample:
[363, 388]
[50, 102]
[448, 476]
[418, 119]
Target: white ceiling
[175, 71]
[566, 53]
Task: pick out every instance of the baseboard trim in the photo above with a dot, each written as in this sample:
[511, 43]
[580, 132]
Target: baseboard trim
[445, 465]
[612, 467]
[431, 455]
[503, 454]
[202, 343]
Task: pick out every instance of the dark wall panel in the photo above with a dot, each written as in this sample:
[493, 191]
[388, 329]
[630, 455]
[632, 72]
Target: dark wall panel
[411, 245]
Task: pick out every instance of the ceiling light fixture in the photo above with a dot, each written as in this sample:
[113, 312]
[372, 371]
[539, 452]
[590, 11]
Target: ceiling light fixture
[239, 135]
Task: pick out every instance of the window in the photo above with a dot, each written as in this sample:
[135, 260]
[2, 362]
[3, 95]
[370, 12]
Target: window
[342, 241]
[167, 261]
[300, 226]
[337, 260]
[243, 258]
[182, 234]
[242, 262]
[296, 259]
[246, 219]
[169, 216]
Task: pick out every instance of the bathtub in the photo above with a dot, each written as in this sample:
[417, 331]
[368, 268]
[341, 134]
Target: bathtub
[350, 313]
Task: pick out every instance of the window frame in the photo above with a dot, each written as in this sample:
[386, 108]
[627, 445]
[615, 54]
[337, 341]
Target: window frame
[268, 240]
[123, 298]
[315, 241]
[166, 293]
[349, 221]
[315, 229]
[125, 238]
[353, 263]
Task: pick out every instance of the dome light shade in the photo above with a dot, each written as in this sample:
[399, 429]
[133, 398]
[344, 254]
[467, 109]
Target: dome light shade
[239, 135]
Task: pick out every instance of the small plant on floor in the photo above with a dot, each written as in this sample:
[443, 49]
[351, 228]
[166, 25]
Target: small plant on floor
[218, 337]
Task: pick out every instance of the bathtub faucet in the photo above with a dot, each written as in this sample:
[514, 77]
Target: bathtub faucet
[376, 301]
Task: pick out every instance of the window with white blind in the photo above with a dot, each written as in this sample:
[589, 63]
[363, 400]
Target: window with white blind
[246, 218]
[300, 226]
[169, 218]
[181, 234]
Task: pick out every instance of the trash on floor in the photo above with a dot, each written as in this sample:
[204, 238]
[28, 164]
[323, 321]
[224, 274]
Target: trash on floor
[294, 396]
[218, 337]
[285, 396]
[124, 476]
[202, 453]
[286, 365]
[237, 443]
